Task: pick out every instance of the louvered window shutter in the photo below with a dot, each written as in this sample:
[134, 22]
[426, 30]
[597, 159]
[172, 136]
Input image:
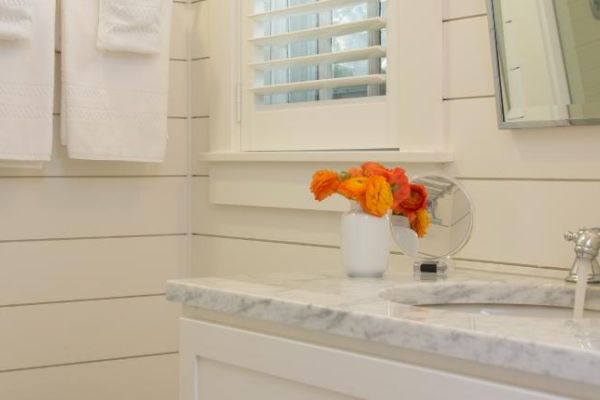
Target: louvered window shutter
[314, 75]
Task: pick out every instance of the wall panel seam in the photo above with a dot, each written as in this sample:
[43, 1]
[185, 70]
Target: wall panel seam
[483, 96]
[190, 147]
[527, 179]
[512, 264]
[305, 244]
[57, 114]
[101, 360]
[148, 235]
[266, 240]
[88, 176]
[464, 17]
[83, 300]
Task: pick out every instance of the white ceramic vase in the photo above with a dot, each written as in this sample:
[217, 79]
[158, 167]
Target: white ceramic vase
[365, 243]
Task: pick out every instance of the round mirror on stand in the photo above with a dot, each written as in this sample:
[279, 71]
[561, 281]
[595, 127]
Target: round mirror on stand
[451, 215]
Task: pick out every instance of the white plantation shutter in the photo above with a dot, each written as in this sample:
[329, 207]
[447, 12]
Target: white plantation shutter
[314, 75]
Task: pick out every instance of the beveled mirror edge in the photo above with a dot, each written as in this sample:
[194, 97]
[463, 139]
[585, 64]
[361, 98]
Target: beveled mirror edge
[500, 115]
[467, 237]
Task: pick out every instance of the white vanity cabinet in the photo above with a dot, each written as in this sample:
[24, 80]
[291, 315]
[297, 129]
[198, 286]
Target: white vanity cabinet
[219, 362]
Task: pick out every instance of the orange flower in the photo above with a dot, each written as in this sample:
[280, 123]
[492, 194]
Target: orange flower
[378, 196]
[353, 188]
[355, 172]
[375, 169]
[416, 201]
[400, 186]
[324, 184]
[420, 222]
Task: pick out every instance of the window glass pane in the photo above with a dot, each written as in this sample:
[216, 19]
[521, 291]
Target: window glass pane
[287, 23]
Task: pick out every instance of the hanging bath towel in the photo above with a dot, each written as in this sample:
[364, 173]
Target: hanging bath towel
[130, 26]
[16, 17]
[114, 102]
[26, 79]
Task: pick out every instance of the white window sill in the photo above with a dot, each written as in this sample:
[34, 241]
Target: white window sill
[329, 156]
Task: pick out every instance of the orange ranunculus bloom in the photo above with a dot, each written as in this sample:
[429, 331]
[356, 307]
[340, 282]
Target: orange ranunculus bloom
[378, 196]
[375, 169]
[420, 222]
[400, 186]
[398, 176]
[324, 184]
[416, 201]
[353, 188]
[355, 172]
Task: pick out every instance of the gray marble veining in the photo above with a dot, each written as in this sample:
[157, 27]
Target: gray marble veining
[387, 311]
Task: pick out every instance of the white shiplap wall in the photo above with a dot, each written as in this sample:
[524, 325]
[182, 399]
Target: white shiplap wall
[529, 186]
[85, 250]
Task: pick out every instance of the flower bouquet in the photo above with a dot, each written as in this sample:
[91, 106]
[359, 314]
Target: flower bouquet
[374, 192]
[377, 190]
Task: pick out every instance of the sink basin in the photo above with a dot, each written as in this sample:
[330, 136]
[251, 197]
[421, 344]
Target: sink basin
[513, 310]
[528, 299]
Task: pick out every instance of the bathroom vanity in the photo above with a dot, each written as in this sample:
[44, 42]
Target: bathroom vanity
[478, 334]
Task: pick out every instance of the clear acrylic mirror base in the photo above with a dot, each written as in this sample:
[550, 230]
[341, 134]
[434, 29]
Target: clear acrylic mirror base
[436, 269]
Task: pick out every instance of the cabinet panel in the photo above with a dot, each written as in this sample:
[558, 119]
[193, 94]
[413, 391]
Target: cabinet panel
[219, 381]
[237, 358]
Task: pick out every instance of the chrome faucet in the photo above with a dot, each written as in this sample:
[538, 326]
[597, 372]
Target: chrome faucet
[587, 246]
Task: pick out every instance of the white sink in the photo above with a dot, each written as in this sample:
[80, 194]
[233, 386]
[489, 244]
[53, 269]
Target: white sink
[513, 310]
[529, 299]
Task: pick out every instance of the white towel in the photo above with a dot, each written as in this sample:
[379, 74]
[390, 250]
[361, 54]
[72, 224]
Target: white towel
[15, 19]
[130, 25]
[114, 105]
[27, 90]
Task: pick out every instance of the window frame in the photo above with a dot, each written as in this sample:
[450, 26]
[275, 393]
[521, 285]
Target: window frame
[410, 115]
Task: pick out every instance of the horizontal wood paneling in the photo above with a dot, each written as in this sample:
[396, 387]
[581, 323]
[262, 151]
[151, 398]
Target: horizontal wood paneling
[178, 88]
[223, 256]
[467, 58]
[314, 227]
[200, 31]
[200, 81]
[523, 181]
[482, 150]
[81, 331]
[175, 162]
[200, 144]
[503, 210]
[34, 208]
[281, 185]
[94, 210]
[180, 26]
[463, 8]
[228, 256]
[59, 270]
[147, 378]
[524, 221]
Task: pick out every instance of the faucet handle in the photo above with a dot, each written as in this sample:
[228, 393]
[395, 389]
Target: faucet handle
[587, 241]
[587, 247]
[571, 236]
[574, 236]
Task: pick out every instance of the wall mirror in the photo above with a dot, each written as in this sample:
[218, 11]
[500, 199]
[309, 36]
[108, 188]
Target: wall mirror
[546, 56]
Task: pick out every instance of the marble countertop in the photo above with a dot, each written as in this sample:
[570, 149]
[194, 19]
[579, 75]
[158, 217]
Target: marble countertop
[382, 311]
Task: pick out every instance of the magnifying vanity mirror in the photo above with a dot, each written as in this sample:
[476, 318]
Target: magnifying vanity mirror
[546, 58]
[451, 216]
